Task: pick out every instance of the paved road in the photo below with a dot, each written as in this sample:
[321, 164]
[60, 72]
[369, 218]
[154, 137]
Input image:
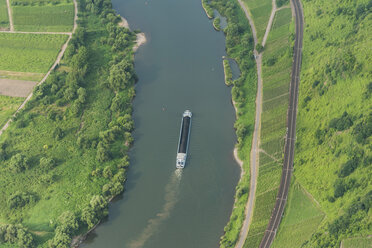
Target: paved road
[291, 134]
[254, 162]
[58, 59]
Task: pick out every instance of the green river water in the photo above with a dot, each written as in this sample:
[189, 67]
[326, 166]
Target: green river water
[179, 68]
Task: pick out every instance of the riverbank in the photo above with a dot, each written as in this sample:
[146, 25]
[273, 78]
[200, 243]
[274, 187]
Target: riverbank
[140, 37]
[243, 99]
[140, 40]
[59, 120]
[208, 10]
[228, 75]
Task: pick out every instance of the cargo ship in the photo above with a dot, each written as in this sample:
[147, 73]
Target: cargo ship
[183, 143]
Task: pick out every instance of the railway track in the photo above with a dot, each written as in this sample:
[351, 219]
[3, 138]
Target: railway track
[281, 199]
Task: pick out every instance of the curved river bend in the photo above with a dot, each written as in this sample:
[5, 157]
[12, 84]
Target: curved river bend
[180, 67]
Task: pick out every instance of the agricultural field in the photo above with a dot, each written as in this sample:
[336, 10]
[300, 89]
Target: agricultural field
[301, 218]
[8, 105]
[4, 21]
[260, 11]
[28, 76]
[51, 18]
[333, 147]
[359, 242]
[276, 70]
[29, 52]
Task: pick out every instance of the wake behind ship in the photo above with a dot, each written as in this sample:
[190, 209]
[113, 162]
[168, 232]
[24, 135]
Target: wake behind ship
[183, 143]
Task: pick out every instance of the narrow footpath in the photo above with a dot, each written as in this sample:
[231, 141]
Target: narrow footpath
[59, 57]
[10, 15]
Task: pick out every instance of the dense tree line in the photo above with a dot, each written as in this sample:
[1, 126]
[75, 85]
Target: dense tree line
[17, 235]
[239, 46]
[353, 219]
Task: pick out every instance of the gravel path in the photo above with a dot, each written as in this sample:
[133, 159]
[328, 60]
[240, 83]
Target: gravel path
[59, 57]
[254, 159]
[270, 23]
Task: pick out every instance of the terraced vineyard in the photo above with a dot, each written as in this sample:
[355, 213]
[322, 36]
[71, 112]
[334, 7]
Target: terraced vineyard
[260, 10]
[29, 52]
[277, 61]
[302, 218]
[4, 21]
[27, 55]
[51, 18]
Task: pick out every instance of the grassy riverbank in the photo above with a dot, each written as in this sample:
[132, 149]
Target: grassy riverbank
[64, 155]
[239, 45]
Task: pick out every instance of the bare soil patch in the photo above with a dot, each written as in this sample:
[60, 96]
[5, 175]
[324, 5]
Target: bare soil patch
[18, 88]
[27, 76]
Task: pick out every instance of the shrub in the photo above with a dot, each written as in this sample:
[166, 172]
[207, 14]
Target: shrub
[58, 133]
[348, 167]
[19, 163]
[47, 164]
[342, 123]
[21, 199]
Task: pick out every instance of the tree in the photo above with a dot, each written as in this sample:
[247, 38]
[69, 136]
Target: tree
[124, 162]
[58, 133]
[82, 95]
[80, 59]
[18, 163]
[103, 153]
[121, 75]
[99, 205]
[107, 172]
[89, 217]
[68, 222]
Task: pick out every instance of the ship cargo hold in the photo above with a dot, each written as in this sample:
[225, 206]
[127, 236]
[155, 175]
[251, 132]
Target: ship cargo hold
[183, 143]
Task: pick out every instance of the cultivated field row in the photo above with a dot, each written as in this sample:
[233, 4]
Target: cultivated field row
[31, 52]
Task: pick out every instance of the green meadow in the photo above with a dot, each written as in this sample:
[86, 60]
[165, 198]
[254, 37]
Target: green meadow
[4, 20]
[260, 11]
[8, 105]
[276, 70]
[29, 52]
[51, 18]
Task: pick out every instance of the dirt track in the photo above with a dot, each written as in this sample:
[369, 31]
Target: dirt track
[254, 159]
[18, 88]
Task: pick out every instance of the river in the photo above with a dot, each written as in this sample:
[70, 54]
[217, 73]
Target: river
[179, 68]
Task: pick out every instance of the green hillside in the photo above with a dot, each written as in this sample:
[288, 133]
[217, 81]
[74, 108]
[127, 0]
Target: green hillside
[333, 150]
